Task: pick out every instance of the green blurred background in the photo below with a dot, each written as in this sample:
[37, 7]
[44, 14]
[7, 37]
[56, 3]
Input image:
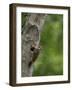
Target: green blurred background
[50, 59]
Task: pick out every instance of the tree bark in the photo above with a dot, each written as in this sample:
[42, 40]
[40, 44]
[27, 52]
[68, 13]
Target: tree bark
[30, 36]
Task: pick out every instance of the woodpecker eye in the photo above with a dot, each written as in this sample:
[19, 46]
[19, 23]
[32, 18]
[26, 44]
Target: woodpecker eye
[32, 48]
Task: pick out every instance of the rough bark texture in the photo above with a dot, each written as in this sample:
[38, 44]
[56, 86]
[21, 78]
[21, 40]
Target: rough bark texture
[31, 36]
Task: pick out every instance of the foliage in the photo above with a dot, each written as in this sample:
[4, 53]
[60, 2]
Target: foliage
[50, 60]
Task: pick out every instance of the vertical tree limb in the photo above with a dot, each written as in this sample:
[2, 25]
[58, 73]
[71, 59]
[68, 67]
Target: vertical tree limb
[30, 36]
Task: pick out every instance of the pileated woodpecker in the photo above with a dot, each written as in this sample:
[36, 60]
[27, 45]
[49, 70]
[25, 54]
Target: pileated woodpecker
[35, 52]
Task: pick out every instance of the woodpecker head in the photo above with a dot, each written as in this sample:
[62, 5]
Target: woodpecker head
[35, 46]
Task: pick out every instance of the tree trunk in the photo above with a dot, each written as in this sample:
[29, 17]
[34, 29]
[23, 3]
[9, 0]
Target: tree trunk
[30, 36]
